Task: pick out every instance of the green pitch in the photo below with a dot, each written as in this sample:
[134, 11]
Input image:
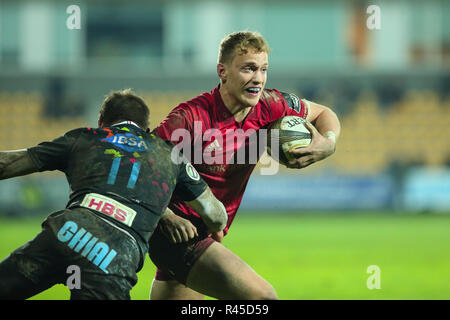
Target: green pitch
[318, 256]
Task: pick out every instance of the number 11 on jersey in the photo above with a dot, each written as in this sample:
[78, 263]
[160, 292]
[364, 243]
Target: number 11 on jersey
[115, 169]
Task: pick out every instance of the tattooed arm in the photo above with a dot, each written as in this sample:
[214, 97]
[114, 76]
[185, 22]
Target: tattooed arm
[15, 163]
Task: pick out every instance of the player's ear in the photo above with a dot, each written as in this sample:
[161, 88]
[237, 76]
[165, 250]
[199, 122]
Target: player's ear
[221, 71]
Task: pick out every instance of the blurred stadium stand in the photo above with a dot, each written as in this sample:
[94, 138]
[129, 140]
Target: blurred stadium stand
[390, 87]
[24, 123]
[411, 131]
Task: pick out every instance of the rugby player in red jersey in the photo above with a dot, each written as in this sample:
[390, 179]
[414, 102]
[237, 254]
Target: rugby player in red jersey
[194, 262]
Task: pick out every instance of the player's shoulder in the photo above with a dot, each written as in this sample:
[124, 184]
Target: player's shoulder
[91, 131]
[201, 102]
[274, 97]
[76, 132]
[165, 149]
[271, 95]
[161, 143]
[88, 132]
[198, 108]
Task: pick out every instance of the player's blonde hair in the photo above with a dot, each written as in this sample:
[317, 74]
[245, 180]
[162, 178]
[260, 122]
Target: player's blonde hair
[241, 42]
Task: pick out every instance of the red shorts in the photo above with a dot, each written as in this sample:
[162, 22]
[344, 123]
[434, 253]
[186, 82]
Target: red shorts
[175, 260]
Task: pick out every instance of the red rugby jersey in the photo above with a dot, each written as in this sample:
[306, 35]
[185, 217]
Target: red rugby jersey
[210, 127]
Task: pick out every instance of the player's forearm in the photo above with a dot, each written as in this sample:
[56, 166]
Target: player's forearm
[217, 218]
[15, 163]
[211, 211]
[214, 215]
[327, 123]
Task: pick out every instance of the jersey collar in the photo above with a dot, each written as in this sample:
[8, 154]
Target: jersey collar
[125, 122]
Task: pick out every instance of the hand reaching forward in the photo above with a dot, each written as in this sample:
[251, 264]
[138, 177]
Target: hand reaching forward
[177, 228]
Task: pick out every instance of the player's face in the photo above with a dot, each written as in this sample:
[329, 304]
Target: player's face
[246, 77]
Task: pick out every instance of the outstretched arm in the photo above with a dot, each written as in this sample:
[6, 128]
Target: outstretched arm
[211, 210]
[15, 163]
[193, 191]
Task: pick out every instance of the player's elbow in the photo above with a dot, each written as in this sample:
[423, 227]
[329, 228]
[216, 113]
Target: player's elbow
[217, 217]
[211, 210]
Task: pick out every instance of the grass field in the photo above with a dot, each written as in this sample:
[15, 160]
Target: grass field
[317, 256]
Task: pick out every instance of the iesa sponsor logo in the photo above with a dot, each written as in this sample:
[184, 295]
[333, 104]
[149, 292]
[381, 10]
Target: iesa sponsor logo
[213, 147]
[96, 252]
[127, 142]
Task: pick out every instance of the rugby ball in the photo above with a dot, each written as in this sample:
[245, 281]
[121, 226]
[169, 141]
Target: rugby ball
[286, 134]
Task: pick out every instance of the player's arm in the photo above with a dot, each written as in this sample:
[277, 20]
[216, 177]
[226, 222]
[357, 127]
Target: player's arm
[178, 121]
[48, 155]
[325, 120]
[211, 210]
[15, 163]
[194, 191]
[177, 228]
[325, 132]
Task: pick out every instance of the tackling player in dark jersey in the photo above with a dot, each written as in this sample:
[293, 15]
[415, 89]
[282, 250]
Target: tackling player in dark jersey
[121, 179]
[190, 269]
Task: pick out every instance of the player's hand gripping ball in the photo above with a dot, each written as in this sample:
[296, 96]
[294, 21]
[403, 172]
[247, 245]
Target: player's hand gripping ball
[291, 133]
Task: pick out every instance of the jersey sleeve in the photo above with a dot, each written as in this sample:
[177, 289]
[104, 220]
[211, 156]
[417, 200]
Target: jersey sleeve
[171, 128]
[295, 106]
[54, 155]
[189, 184]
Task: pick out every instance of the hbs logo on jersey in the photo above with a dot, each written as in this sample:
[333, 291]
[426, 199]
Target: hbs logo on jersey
[128, 142]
